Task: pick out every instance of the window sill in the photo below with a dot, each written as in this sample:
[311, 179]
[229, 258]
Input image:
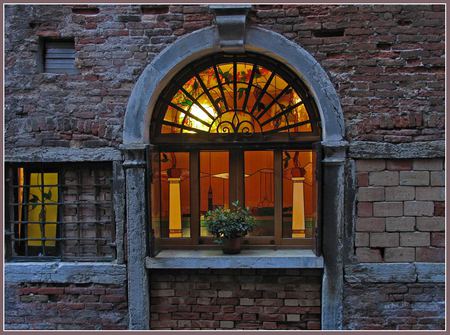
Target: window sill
[247, 259]
[65, 272]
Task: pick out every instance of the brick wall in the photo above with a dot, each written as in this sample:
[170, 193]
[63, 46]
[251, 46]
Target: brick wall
[235, 299]
[394, 306]
[386, 63]
[400, 211]
[65, 306]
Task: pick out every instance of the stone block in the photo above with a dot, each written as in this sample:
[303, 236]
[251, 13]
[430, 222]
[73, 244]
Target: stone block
[370, 224]
[437, 178]
[383, 240]
[370, 194]
[393, 255]
[435, 223]
[428, 164]
[418, 208]
[414, 178]
[430, 193]
[384, 178]
[403, 223]
[361, 239]
[384, 209]
[415, 239]
[399, 193]
[380, 273]
[399, 165]
[363, 165]
[430, 254]
[430, 273]
[368, 255]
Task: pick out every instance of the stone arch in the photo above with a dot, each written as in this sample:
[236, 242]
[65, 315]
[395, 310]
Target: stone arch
[136, 136]
[206, 41]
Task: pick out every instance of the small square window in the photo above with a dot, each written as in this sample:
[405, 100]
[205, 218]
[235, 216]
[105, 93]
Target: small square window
[59, 56]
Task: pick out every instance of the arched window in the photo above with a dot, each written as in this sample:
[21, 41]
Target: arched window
[235, 127]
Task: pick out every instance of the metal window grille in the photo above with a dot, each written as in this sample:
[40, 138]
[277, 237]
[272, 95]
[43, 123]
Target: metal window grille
[60, 211]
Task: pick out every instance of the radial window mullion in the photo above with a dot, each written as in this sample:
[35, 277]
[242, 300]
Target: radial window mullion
[275, 100]
[286, 111]
[219, 83]
[208, 94]
[249, 87]
[263, 91]
[235, 84]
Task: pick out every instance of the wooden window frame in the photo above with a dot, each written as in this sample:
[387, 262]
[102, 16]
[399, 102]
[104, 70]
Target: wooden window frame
[236, 191]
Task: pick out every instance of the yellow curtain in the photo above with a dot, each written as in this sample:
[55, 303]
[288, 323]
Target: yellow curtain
[46, 212]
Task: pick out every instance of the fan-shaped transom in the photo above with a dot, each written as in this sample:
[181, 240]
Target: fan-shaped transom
[235, 96]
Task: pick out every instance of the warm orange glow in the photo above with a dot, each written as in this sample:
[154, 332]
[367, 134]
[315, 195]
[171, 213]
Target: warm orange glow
[175, 229]
[236, 98]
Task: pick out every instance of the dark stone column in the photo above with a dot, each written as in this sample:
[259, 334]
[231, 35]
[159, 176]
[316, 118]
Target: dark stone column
[333, 190]
[137, 237]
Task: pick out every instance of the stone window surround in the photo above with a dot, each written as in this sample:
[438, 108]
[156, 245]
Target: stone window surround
[75, 272]
[136, 143]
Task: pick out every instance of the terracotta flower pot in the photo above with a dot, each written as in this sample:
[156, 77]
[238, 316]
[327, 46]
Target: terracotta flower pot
[232, 246]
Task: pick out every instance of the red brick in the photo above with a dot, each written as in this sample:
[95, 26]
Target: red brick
[399, 165]
[365, 209]
[430, 254]
[438, 239]
[362, 179]
[112, 298]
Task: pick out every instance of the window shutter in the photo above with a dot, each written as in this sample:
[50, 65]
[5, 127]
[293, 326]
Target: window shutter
[317, 149]
[59, 57]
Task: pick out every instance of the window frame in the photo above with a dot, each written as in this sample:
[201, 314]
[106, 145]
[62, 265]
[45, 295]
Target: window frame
[195, 241]
[13, 252]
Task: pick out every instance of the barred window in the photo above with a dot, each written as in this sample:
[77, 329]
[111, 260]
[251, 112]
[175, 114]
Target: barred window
[60, 211]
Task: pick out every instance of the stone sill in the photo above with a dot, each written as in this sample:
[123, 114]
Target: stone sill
[247, 259]
[65, 272]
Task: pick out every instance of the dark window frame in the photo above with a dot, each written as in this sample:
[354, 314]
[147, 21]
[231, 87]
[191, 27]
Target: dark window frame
[44, 57]
[17, 249]
[238, 143]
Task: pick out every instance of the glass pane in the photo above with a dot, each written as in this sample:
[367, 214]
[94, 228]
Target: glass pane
[210, 102]
[214, 183]
[175, 195]
[299, 204]
[43, 199]
[259, 190]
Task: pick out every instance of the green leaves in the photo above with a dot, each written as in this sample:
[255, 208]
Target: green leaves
[241, 91]
[186, 102]
[229, 223]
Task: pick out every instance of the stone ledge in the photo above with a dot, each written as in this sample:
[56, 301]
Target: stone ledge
[247, 259]
[395, 273]
[61, 154]
[372, 150]
[62, 272]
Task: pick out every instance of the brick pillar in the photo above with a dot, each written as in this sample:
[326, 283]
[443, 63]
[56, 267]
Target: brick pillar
[137, 237]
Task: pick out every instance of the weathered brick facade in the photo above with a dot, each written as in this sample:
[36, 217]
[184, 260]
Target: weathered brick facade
[236, 299]
[65, 306]
[387, 65]
[399, 216]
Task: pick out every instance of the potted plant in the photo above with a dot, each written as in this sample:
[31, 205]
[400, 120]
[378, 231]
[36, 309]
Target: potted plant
[229, 226]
